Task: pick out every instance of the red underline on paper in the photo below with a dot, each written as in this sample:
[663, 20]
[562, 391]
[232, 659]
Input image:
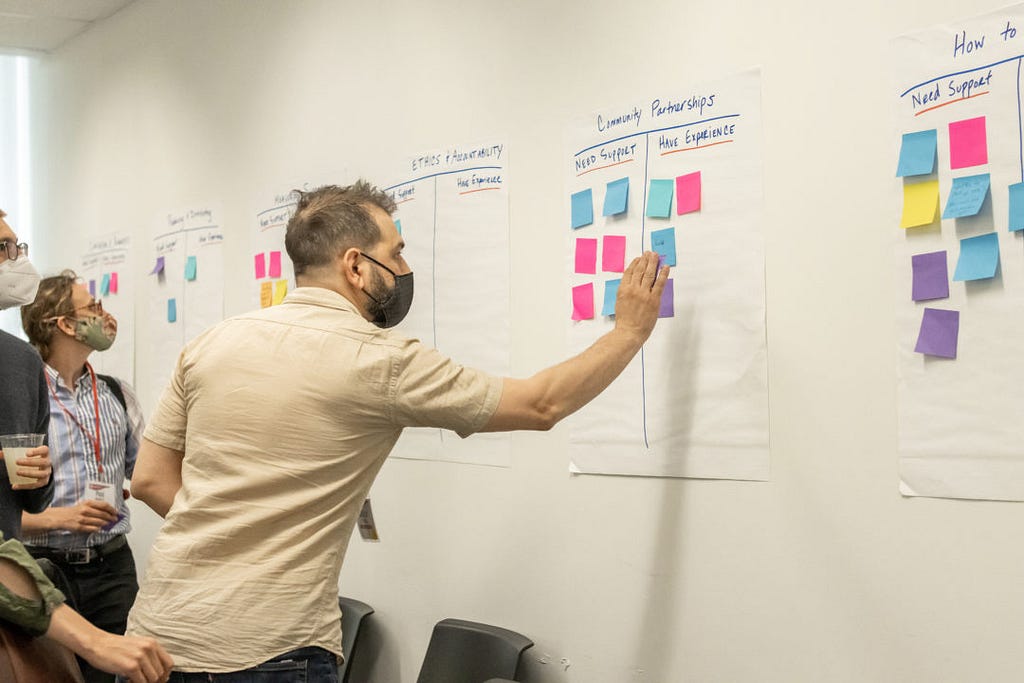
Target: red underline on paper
[598, 168]
[404, 201]
[962, 99]
[690, 149]
[482, 189]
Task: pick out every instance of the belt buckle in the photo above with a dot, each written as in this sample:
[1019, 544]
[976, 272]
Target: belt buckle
[79, 556]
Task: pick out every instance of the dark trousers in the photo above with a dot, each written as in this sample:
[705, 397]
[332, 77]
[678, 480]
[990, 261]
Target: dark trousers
[305, 665]
[103, 592]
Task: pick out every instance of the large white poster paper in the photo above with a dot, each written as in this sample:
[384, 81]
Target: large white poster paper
[107, 269]
[959, 152]
[186, 288]
[678, 172]
[453, 215]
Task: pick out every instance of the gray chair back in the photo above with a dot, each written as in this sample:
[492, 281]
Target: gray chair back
[469, 652]
[353, 613]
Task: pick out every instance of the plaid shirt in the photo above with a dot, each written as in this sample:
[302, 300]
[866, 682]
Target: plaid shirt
[73, 457]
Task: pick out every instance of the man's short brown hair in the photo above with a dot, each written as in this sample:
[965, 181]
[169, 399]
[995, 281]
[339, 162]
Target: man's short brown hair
[331, 219]
[53, 300]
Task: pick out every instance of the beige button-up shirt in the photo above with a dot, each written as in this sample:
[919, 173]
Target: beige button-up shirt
[285, 417]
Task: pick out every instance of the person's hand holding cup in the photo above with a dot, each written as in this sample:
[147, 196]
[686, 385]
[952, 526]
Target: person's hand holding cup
[27, 460]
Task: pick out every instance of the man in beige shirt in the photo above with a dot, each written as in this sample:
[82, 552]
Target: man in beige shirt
[275, 424]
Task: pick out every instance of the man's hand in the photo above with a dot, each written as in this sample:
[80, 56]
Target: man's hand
[141, 660]
[639, 297]
[35, 465]
[88, 516]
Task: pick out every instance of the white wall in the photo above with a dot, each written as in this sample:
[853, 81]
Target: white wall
[823, 574]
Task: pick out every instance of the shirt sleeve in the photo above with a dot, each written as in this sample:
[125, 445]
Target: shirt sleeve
[431, 390]
[168, 424]
[31, 615]
[36, 500]
[136, 426]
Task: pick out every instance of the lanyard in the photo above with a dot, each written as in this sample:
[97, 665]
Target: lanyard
[96, 408]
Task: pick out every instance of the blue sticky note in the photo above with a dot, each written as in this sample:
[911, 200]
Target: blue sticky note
[979, 258]
[611, 291]
[966, 196]
[172, 311]
[398, 224]
[663, 243]
[917, 153]
[582, 208]
[1017, 207]
[659, 198]
[190, 268]
[105, 284]
[616, 196]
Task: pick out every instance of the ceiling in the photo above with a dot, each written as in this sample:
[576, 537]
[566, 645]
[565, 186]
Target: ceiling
[39, 26]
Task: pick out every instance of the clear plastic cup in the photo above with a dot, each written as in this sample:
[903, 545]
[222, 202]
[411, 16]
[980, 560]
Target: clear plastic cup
[14, 447]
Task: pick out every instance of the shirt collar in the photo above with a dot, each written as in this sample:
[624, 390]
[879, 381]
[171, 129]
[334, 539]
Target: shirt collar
[320, 296]
[58, 381]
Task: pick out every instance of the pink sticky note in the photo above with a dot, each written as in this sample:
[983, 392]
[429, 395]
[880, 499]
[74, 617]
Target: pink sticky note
[688, 193]
[261, 265]
[586, 255]
[613, 257]
[967, 143]
[583, 302]
[275, 264]
[113, 283]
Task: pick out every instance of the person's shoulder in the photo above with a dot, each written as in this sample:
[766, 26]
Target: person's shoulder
[14, 349]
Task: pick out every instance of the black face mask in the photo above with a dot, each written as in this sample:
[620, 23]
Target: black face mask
[392, 308]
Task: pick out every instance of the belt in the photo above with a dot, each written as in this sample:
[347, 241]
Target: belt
[79, 555]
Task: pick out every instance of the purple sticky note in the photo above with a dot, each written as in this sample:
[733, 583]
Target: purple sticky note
[667, 308]
[275, 264]
[939, 331]
[688, 193]
[583, 302]
[260, 265]
[92, 288]
[159, 267]
[613, 256]
[968, 145]
[586, 255]
[931, 276]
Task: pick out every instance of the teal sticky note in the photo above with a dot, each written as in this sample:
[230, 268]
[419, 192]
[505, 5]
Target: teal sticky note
[917, 153]
[582, 208]
[966, 196]
[190, 268]
[659, 198]
[398, 224]
[172, 311]
[611, 292]
[616, 196]
[663, 242]
[105, 284]
[979, 258]
[1017, 207]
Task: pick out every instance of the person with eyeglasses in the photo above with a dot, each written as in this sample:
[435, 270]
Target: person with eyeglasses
[275, 423]
[95, 427]
[24, 407]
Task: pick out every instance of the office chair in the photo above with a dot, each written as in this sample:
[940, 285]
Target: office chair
[468, 652]
[352, 614]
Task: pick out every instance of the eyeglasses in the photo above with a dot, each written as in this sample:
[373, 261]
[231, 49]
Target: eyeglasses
[15, 250]
[95, 306]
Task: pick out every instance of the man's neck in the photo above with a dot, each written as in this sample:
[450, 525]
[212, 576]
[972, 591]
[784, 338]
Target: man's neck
[68, 359]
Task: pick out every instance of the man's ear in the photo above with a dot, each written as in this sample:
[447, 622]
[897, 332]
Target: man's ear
[62, 324]
[350, 267]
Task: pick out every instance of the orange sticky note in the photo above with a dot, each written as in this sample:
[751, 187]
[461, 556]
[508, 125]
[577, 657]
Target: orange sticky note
[266, 293]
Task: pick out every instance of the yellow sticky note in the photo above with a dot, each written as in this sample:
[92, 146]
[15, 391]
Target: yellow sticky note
[920, 204]
[266, 293]
[280, 291]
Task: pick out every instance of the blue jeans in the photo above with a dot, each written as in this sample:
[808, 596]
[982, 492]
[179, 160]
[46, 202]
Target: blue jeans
[305, 665]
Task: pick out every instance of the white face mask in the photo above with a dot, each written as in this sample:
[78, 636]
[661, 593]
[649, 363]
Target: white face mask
[19, 281]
